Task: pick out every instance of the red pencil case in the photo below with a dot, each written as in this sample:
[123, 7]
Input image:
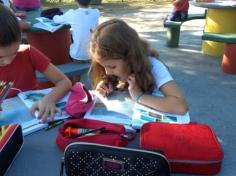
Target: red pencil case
[112, 134]
[190, 148]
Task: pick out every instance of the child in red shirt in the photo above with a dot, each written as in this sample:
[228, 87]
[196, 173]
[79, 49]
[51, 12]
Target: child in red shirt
[18, 64]
[180, 10]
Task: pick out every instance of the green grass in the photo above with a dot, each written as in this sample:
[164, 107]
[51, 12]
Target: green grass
[109, 4]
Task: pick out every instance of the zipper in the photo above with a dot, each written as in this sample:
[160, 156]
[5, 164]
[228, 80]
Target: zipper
[194, 162]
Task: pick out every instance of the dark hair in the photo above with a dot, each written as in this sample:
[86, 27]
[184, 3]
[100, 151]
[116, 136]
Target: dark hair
[10, 30]
[84, 2]
[115, 39]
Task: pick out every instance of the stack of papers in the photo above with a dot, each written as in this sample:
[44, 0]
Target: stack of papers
[47, 24]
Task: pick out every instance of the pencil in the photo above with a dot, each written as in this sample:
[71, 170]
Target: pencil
[3, 94]
[52, 125]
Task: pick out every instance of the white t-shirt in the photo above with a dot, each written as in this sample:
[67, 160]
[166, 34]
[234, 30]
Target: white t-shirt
[160, 73]
[82, 21]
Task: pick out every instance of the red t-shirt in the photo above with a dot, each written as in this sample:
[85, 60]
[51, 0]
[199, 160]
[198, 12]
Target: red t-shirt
[183, 5]
[22, 69]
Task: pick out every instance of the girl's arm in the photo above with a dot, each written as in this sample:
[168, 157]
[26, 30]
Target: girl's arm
[173, 100]
[62, 84]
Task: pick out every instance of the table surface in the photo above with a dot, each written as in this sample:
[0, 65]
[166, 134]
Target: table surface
[216, 5]
[39, 154]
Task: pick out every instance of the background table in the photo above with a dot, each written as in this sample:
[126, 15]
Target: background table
[220, 18]
[55, 45]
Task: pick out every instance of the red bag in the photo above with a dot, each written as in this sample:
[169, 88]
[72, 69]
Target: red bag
[79, 102]
[111, 134]
[190, 148]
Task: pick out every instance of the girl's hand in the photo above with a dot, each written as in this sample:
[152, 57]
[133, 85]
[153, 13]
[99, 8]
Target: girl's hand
[133, 88]
[104, 88]
[46, 109]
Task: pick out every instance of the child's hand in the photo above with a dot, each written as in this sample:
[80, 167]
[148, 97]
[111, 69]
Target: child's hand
[133, 88]
[46, 109]
[104, 88]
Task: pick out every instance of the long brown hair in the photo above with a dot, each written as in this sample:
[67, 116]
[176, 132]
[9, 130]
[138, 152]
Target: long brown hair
[114, 39]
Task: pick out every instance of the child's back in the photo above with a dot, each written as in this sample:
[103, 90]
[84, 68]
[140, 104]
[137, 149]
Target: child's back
[83, 21]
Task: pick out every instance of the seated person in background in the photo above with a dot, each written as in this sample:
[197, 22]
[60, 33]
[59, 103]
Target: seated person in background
[180, 10]
[83, 21]
[23, 24]
[18, 64]
[116, 50]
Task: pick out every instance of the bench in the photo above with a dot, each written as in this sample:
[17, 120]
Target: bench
[69, 69]
[173, 29]
[228, 64]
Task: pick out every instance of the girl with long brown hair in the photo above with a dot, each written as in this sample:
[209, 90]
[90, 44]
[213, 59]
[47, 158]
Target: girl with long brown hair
[119, 55]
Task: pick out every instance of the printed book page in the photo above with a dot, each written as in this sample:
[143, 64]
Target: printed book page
[29, 98]
[119, 108]
[47, 24]
[143, 114]
[116, 108]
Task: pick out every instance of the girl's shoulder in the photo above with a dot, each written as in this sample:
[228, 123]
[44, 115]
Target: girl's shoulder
[155, 62]
[23, 55]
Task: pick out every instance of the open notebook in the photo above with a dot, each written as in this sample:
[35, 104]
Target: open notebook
[116, 108]
[47, 24]
[32, 96]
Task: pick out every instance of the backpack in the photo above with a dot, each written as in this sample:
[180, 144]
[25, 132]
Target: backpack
[83, 159]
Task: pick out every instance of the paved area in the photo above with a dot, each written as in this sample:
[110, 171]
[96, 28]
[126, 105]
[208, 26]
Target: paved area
[211, 94]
